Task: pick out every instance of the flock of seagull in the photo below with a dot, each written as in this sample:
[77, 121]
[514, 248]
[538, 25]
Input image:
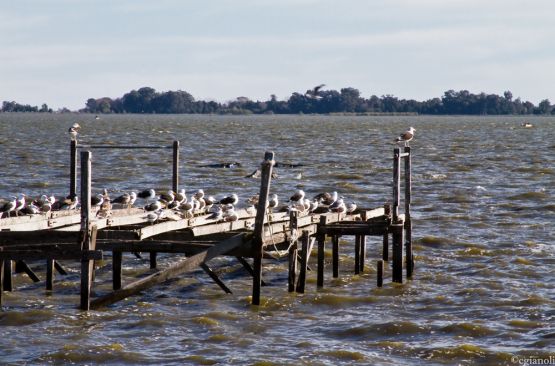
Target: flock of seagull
[157, 204]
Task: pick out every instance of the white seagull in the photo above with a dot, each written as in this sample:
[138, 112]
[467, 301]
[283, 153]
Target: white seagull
[406, 136]
[74, 131]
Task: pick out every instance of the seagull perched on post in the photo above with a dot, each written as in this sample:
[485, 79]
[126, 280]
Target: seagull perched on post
[74, 131]
[406, 136]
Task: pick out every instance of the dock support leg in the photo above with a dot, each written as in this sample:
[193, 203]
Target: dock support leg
[153, 263]
[21, 266]
[117, 257]
[335, 256]
[59, 268]
[292, 267]
[408, 248]
[362, 253]
[380, 273]
[385, 249]
[357, 254]
[397, 230]
[1, 281]
[215, 278]
[8, 279]
[307, 244]
[49, 274]
[321, 262]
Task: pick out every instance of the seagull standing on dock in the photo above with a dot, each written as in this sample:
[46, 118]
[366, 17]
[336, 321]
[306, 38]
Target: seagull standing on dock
[406, 136]
[338, 206]
[298, 196]
[19, 203]
[147, 194]
[9, 206]
[233, 199]
[326, 198]
[74, 131]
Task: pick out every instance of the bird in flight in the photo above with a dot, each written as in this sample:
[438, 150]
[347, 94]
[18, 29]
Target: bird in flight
[315, 92]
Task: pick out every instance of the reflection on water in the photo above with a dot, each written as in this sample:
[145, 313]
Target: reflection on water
[483, 207]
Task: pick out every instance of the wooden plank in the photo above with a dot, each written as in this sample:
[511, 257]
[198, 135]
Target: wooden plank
[73, 167]
[153, 261]
[175, 166]
[307, 244]
[215, 278]
[357, 254]
[258, 241]
[335, 256]
[362, 253]
[291, 278]
[397, 253]
[59, 254]
[59, 268]
[49, 274]
[222, 227]
[24, 267]
[1, 283]
[117, 257]
[8, 275]
[175, 269]
[380, 273]
[396, 183]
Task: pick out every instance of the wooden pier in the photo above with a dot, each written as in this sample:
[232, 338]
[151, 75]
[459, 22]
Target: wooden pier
[256, 234]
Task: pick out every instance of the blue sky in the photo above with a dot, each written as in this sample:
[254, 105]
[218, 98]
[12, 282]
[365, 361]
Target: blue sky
[61, 52]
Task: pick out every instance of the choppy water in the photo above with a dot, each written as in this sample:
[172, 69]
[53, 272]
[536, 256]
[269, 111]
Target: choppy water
[483, 291]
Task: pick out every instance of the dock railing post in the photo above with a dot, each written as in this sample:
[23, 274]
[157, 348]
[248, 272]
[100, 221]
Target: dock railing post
[88, 231]
[408, 222]
[396, 183]
[175, 175]
[397, 252]
[258, 241]
[73, 167]
[321, 252]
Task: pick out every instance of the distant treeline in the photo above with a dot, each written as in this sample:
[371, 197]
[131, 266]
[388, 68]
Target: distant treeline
[347, 100]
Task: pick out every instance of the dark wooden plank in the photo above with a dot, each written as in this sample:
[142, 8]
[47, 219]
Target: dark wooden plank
[60, 268]
[291, 278]
[87, 233]
[73, 167]
[215, 278]
[362, 253]
[175, 269]
[357, 254]
[307, 244]
[397, 253]
[408, 222]
[49, 274]
[153, 263]
[117, 257]
[335, 256]
[321, 260]
[8, 275]
[380, 273]
[59, 254]
[24, 267]
[258, 241]
[1, 283]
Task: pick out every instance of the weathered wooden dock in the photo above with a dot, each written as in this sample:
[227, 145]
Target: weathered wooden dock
[82, 236]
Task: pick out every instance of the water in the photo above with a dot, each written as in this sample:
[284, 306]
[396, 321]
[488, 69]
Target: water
[483, 290]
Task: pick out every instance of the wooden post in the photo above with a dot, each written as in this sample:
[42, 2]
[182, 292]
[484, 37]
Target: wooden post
[258, 242]
[59, 268]
[24, 267]
[215, 277]
[153, 263]
[362, 252]
[49, 274]
[292, 267]
[117, 257]
[380, 273]
[73, 167]
[305, 253]
[1, 281]
[385, 246]
[396, 183]
[335, 256]
[408, 222]
[397, 266]
[321, 259]
[175, 175]
[88, 233]
[8, 275]
[357, 254]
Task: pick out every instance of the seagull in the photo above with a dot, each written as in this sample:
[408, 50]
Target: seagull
[314, 93]
[338, 206]
[9, 206]
[199, 194]
[19, 203]
[233, 199]
[230, 215]
[273, 201]
[147, 194]
[406, 136]
[313, 206]
[154, 206]
[124, 199]
[216, 213]
[70, 202]
[74, 131]
[180, 196]
[30, 209]
[167, 198]
[351, 207]
[97, 200]
[210, 200]
[326, 198]
[298, 196]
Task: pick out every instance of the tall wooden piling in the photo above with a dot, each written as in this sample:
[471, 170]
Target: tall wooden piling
[88, 231]
[362, 253]
[408, 222]
[117, 257]
[357, 254]
[397, 252]
[258, 241]
[175, 170]
[380, 273]
[291, 280]
[49, 274]
[1, 281]
[385, 243]
[73, 167]
[321, 254]
[396, 183]
[307, 243]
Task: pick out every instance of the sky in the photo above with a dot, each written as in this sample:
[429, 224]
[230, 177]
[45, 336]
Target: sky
[62, 52]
